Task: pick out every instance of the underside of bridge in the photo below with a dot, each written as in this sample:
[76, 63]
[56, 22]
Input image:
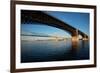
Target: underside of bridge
[43, 18]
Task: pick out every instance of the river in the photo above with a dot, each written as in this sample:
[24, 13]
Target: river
[53, 50]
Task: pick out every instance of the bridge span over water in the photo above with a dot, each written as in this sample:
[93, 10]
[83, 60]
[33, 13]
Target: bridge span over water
[46, 19]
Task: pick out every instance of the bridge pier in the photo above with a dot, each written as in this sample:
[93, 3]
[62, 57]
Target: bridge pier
[85, 37]
[75, 37]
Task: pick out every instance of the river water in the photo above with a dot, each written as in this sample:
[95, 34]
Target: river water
[52, 50]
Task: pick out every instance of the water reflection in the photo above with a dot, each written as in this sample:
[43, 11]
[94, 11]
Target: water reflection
[79, 50]
[41, 51]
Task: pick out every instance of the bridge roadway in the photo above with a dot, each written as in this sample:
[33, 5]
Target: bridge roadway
[43, 18]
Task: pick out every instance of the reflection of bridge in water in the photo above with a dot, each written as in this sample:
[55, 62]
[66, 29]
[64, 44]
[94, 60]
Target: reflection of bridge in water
[46, 19]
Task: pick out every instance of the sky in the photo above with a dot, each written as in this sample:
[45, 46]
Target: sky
[45, 29]
[77, 20]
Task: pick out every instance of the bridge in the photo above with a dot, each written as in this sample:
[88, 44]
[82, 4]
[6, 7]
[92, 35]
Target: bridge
[28, 16]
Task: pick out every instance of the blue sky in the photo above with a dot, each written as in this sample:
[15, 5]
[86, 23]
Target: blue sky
[77, 20]
[45, 29]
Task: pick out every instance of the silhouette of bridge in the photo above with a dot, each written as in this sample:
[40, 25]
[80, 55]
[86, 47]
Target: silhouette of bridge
[28, 16]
